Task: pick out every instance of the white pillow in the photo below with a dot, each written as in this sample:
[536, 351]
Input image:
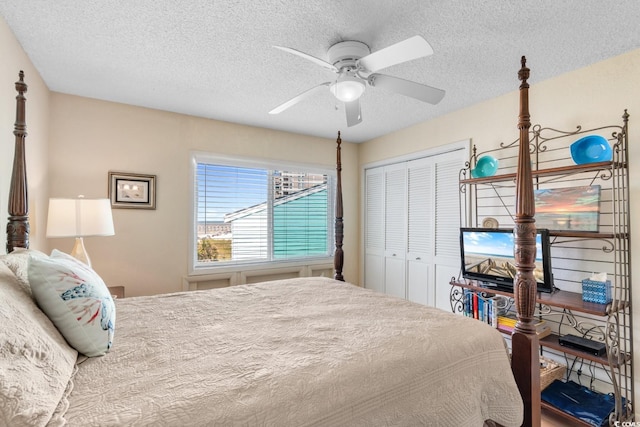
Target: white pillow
[76, 300]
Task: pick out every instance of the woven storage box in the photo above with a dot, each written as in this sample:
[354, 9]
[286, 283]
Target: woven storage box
[550, 370]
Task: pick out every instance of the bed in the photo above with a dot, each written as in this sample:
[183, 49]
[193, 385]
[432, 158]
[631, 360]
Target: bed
[296, 352]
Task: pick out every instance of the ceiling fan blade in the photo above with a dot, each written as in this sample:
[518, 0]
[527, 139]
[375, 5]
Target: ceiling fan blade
[415, 90]
[411, 48]
[293, 101]
[354, 115]
[318, 61]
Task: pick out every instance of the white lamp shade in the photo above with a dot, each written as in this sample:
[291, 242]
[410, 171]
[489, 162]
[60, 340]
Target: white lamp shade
[347, 88]
[79, 217]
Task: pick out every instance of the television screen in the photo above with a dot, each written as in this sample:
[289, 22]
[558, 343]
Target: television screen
[487, 256]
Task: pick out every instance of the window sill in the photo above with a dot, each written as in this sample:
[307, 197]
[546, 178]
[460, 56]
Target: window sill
[238, 274]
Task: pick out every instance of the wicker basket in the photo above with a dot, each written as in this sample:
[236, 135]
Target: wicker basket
[550, 370]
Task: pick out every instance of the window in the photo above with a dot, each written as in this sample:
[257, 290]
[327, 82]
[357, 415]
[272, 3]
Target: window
[253, 212]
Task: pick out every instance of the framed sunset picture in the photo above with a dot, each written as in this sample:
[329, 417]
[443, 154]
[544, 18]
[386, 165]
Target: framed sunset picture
[568, 209]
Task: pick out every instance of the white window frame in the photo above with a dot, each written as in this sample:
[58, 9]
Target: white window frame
[242, 161]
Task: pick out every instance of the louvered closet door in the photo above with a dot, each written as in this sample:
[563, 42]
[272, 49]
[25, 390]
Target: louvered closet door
[412, 222]
[395, 229]
[420, 204]
[447, 225]
[374, 226]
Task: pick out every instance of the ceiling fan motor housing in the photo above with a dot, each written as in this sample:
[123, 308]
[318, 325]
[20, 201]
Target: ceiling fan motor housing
[345, 54]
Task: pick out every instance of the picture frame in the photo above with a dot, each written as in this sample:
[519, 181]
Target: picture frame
[575, 209]
[132, 190]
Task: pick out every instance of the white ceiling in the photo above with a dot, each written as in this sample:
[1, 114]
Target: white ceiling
[214, 58]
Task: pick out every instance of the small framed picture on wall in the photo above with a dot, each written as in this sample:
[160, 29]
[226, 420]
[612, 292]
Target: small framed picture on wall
[132, 190]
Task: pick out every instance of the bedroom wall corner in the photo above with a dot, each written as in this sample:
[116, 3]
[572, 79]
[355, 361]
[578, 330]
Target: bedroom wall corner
[149, 252]
[15, 59]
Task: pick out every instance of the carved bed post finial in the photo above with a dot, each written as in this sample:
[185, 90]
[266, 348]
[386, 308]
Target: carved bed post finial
[18, 225]
[525, 229]
[338, 257]
[525, 346]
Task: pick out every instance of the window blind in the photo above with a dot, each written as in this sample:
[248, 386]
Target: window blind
[249, 214]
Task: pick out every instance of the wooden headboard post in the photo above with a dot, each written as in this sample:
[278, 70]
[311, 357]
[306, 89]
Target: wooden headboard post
[338, 256]
[18, 225]
[525, 346]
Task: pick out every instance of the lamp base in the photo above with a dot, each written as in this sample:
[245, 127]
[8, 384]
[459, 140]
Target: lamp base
[79, 252]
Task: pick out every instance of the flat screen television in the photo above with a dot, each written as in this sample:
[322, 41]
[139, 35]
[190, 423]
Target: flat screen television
[487, 256]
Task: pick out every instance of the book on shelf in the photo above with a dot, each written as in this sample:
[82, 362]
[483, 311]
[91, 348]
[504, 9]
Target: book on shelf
[507, 324]
[480, 307]
[475, 305]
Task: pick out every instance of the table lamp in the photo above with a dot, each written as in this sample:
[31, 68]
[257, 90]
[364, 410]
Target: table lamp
[79, 218]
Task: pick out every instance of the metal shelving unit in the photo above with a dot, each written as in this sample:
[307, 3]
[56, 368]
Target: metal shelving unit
[575, 254]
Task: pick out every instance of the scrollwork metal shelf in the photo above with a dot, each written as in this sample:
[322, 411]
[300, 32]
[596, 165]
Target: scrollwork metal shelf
[579, 252]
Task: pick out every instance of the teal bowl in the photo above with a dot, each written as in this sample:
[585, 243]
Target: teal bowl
[485, 166]
[591, 149]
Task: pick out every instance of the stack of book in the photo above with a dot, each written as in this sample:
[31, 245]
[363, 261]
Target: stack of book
[507, 323]
[483, 308]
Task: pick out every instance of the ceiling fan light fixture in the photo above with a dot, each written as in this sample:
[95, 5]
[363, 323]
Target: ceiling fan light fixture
[356, 67]
[347, 88]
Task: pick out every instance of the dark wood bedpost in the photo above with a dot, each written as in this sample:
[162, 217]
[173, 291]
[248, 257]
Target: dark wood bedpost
[18, 225]
[525, 348]
[338, 257]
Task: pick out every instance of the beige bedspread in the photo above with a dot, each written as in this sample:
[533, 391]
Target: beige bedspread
[300, 352]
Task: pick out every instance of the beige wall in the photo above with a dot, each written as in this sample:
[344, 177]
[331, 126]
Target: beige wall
[590, 96]
[148, 254]
[594, 96]
[13, 60]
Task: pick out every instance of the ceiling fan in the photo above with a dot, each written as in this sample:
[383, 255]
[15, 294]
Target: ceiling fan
[356, 66]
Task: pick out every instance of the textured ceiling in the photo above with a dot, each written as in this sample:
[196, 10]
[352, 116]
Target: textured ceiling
[214, 59]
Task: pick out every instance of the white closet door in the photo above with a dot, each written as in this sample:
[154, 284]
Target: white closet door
[420, 204]
[447, 225]
[395, 229]
[412, 222]
[374, 226]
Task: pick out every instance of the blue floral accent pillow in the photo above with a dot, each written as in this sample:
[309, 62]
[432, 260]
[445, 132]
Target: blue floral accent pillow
[76, 300]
